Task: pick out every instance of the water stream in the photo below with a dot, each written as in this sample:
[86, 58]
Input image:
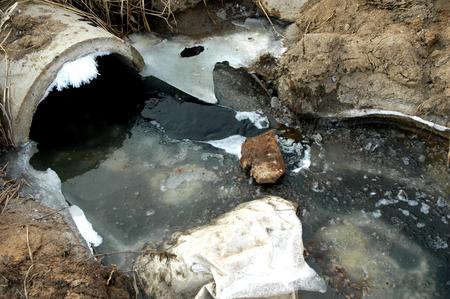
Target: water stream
[137, 157]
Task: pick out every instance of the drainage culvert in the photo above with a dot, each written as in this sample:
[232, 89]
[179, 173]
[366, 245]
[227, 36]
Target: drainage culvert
[373, 199]
[45, 48]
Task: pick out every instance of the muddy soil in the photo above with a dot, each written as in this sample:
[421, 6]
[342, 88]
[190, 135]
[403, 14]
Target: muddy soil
[41, 258]
[355, 54]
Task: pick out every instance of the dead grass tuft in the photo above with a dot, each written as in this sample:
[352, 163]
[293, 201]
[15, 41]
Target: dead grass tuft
[6, 134]
[8, 191]
[119, 17]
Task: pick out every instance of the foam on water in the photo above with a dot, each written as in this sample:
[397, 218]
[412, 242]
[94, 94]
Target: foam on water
[305, 162]
[260, 121]
[301, 153]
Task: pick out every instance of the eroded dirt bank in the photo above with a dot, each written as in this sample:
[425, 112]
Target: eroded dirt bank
[41, 258]
[378, 54]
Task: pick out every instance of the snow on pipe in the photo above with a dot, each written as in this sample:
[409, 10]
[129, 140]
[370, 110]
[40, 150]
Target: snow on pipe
[62, 53]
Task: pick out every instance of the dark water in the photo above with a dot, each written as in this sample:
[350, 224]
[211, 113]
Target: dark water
[374, 202]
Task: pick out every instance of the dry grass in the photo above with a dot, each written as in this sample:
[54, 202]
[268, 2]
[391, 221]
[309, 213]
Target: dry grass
[8, 191]
[119, 17]
[6, 135]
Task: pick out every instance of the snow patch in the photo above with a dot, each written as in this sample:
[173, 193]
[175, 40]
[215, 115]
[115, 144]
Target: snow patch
[231, 145]
[260, 121]
[194, 75]
[85, 227]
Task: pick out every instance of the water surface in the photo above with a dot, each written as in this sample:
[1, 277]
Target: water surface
[373, 199]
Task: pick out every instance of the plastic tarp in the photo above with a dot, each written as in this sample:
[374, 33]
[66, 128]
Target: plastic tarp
[254, 251]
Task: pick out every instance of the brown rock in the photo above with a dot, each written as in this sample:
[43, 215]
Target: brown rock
[262, 155]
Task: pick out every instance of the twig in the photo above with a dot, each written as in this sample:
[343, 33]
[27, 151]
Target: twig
[10, 192]
[307, 27]
[136, 289]
[25, 281]
[110, 276]
[50, 214]
[28, 245]
[119, 252]
[260, 84]
[268, 18]
[100, 255]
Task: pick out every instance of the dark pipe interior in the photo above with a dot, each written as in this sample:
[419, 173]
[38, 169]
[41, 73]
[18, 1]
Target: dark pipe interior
[73, 115]
[83, 122]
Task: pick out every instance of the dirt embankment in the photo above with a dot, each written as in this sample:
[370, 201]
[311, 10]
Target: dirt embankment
[379, 54]
[41, 258]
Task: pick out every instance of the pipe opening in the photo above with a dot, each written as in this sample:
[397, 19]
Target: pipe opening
[92, 116]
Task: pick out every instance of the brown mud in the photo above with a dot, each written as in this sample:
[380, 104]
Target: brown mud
[40, 257]
[359, 54]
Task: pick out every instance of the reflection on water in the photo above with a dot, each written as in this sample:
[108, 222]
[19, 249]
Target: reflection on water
[374, 201]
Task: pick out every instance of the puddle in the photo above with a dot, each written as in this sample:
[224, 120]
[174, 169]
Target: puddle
[373, 199]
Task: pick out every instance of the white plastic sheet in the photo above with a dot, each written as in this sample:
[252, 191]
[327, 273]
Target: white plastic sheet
[254, 251]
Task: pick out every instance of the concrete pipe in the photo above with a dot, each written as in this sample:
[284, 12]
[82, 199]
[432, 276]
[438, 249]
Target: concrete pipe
[37, 40]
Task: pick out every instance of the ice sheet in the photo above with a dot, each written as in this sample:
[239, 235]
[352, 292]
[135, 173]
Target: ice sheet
[231, 145]
[194, 75]
[370, 112]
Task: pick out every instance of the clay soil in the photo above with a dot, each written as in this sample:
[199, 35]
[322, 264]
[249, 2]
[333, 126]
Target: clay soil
[41, 258]
[355, 54]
